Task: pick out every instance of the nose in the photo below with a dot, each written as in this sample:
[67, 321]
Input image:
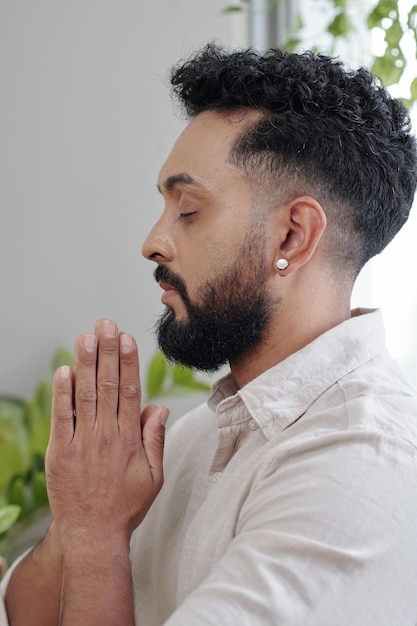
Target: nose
[158, 245]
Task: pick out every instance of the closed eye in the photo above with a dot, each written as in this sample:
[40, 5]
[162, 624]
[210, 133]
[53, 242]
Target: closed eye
[184, 216]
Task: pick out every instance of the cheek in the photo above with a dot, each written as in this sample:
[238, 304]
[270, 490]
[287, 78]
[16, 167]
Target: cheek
[195, 278]
[205, 256]
[226, 249]
[197, 259]
[211, 263]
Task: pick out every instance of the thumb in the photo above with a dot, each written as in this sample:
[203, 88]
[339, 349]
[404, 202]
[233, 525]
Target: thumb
[153, 420]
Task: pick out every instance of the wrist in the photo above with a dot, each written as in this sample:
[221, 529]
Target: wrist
[97, 582]
[88, 544]
[49, 548]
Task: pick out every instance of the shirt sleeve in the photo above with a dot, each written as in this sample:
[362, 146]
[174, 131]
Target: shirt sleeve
[325, 537]
[3, 588]
[3, 615]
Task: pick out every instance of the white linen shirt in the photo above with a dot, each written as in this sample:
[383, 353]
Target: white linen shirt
[291, 501]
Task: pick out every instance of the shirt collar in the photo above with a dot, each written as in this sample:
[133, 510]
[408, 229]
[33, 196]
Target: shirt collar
[280, 395]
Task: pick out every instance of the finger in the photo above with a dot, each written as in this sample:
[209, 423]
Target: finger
[62, 413]
[107, 379]
[129, 390]
[85, 359]
[154, 419]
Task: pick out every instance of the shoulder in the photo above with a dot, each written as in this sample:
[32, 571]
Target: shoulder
[378, 397]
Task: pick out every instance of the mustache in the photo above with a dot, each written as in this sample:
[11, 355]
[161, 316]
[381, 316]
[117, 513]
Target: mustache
[165, 275]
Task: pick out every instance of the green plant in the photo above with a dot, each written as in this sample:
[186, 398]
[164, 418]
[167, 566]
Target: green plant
[166, 379]
[394, 21]
[24, 432]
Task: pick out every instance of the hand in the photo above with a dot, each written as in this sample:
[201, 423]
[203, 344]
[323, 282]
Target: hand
[103, 465]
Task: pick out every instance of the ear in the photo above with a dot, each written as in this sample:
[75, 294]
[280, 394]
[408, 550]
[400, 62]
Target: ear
[302, 223]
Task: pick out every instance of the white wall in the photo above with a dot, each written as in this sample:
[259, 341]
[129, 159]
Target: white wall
[85, 123]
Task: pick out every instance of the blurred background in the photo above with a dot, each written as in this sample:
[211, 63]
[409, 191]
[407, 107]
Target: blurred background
[86, 121]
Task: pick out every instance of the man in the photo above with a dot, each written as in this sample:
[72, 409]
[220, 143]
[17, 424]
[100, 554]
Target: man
[292, 497]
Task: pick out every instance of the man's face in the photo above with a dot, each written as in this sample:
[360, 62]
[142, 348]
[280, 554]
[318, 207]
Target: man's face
[210, 248]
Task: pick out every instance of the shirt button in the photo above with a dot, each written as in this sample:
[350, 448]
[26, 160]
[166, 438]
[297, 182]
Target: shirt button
[253, 425]
[215, 477]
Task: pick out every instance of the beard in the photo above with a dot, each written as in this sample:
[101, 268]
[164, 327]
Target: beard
[229, 319]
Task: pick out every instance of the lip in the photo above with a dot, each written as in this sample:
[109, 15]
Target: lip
[169, 292]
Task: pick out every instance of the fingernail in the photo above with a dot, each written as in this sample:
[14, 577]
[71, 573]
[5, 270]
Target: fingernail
[64, 372]
[89, 343]
[109, 329]
[126, 343]
[164, 415]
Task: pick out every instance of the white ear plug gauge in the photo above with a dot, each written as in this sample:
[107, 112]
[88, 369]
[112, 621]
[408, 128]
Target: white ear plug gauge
[282, 264]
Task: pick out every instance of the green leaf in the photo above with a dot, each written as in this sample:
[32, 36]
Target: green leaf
[384, 9]
[183, 378]
[181, 375]
[43, 396]
[8, 516]
[11, 544]
[394, 34]
[291, 44]
[62, 357]
[386, 69]
[38, 426]
[39, 489]
[156, 374]
[199, 385]
[411, 19]
[407, 102]
[17, 494]
[340, 26]
[14, 449]
[413, 89]
[188, 383]
[373, 20]
[299, 24]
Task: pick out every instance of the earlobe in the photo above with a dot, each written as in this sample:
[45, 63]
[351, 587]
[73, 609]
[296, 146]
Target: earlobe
[305, 223]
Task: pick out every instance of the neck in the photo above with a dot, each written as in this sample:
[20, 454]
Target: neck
[286, 333]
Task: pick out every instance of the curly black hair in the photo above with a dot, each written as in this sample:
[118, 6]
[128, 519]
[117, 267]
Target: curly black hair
[324, 130]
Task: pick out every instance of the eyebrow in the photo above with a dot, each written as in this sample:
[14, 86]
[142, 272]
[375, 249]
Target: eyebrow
[179, 179]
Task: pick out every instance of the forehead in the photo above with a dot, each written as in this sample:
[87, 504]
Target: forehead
[202, 149]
